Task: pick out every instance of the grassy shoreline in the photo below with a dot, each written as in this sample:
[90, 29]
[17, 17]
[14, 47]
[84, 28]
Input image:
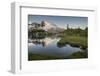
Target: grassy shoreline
[75, 55]
[40, 57]
[75, 41]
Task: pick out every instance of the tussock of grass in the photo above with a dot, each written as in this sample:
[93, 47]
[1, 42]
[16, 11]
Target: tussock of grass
[75, 41]
[79, 54]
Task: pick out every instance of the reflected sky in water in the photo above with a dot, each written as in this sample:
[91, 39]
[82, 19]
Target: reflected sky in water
[48, 46]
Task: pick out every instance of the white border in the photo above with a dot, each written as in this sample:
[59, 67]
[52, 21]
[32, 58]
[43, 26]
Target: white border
[19, 17]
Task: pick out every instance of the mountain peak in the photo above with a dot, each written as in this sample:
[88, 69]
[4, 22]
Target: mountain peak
[48, 25]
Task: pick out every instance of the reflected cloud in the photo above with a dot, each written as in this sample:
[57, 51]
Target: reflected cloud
[45, 42]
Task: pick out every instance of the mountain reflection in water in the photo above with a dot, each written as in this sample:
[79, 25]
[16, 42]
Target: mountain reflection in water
[48, 46]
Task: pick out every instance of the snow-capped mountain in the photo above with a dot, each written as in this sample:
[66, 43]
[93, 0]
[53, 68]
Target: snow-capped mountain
[47, 26]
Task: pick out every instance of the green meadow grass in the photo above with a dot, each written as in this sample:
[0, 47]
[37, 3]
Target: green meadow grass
[75, 41]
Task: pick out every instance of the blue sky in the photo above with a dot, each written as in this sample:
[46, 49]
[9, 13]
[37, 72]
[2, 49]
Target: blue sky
[61, 21]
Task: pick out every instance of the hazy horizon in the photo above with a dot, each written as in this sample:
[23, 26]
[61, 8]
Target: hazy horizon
[60, 21]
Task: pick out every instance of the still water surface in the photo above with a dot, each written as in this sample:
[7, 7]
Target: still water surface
[48, 46]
